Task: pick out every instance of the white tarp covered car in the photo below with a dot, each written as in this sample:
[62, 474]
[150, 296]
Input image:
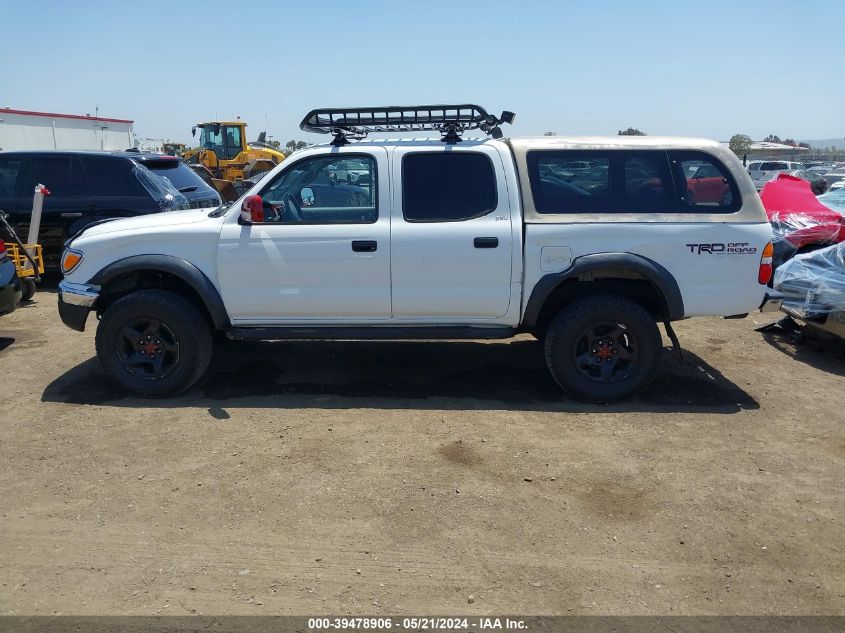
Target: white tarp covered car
[813, 285]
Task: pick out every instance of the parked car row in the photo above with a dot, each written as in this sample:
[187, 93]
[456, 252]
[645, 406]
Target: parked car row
[836, 178]
[763, 171]
[89, 187]
[822, 176]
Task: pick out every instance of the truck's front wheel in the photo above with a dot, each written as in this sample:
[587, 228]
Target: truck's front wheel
[603, 348]
[153, 343]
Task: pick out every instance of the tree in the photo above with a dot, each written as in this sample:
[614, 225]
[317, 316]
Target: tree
[772, 138]
[631, 131]
[292, 146]
[740, 144]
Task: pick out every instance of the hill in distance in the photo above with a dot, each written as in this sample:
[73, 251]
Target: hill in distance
[824, 143]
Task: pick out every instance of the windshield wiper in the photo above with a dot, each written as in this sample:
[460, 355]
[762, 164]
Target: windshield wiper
[187, 189]
[221, 209]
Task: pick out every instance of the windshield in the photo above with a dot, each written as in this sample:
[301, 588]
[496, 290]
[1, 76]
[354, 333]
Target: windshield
[223, 140]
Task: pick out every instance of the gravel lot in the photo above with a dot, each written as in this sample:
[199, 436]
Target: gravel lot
[415, 477]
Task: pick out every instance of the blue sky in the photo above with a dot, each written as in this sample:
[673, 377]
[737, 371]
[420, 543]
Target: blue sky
[708, 68]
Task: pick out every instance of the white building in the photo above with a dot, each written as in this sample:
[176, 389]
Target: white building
[765, 149]
[151, 145]
[24, 130]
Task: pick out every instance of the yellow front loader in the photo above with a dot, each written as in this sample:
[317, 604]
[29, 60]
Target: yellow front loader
[224, 151]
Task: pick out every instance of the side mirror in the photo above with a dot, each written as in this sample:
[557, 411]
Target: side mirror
[307, 197]
[252, 210]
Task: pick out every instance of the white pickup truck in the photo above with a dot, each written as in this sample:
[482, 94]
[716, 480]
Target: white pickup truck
[587, 243]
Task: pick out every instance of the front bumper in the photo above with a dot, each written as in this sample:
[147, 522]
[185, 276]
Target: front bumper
[75, 302]
[772, 301]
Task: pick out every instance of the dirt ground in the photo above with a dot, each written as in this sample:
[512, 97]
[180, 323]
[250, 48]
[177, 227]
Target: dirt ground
[438, 477]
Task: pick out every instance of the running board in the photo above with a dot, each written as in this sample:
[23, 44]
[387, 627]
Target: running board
[369, 332]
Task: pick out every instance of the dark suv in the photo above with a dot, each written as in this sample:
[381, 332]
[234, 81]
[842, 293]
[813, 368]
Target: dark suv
[86, 187]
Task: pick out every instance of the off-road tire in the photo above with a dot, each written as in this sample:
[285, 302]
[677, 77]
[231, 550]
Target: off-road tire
[566, 334]
[190, 330]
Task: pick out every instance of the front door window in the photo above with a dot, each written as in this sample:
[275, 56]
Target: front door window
[325, 190]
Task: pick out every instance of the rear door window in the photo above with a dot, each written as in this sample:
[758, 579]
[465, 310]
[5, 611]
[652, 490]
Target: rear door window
[447, 187]
[10, 176]
[704, 184]
[111, 177]
[617, 181]
[62, 175]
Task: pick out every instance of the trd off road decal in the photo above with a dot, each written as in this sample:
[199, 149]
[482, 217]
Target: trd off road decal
[719, 248]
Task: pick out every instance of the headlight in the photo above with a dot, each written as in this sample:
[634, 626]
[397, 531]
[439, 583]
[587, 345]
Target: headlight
[70, 260]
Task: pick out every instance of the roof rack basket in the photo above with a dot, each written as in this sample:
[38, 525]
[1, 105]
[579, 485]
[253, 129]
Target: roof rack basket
[450, 120]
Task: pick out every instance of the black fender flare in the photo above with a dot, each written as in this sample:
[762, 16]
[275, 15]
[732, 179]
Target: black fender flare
[177, 267]
[660, 279]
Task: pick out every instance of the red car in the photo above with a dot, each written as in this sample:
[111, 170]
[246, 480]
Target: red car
[800, 222]
[708, 185]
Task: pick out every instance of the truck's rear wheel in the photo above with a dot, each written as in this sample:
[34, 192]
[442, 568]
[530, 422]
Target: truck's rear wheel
[603, 348]
[153, 343]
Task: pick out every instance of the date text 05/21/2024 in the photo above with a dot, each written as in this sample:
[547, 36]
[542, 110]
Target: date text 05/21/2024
[417, 624]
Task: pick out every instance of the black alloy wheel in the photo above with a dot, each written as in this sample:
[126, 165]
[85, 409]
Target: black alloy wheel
[606, 352]
[148, 348]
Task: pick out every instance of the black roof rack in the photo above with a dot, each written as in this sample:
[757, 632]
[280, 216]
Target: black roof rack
[450, 120]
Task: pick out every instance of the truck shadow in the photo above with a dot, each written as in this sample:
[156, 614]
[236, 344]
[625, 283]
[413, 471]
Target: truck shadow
[403, 375]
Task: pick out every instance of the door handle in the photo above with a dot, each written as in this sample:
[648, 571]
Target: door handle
[364, 246]
[72, 215]
[486, 242]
